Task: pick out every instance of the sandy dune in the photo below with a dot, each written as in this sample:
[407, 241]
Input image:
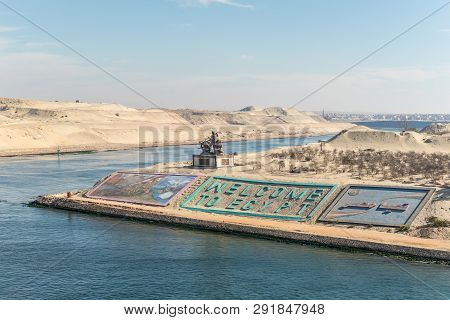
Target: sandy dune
[437, 129]
[252, 116]
[363, 138]
[32, 127]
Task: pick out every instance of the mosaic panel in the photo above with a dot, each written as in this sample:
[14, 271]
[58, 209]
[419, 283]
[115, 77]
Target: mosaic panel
[269, 199]
[141, 188]
[377, 205]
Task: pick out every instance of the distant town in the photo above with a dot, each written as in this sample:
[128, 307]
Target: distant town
[347, 116]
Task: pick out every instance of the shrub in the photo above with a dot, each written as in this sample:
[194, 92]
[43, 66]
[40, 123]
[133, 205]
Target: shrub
[403, 229]
[436, 222]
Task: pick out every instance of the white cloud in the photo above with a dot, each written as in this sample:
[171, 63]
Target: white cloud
[50, 76]
[247, 57]
[364, 90]
[39, 68]
[39, 44]
[206, 3]
[4, 43]
[404, 74]
[9, 29]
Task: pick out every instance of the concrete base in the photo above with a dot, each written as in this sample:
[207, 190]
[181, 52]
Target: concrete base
[368, 240]
[212, 160]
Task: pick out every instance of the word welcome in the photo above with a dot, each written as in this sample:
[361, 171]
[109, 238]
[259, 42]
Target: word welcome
[254, 197]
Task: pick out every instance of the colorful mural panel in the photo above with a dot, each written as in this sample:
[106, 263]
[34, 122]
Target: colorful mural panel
[269, 199]
[377, 205]
[141, 188]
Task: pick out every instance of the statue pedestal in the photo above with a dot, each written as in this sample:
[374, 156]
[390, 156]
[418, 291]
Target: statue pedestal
[212, 160]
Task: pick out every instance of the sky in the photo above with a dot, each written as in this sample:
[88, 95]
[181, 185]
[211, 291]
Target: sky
[228, 54]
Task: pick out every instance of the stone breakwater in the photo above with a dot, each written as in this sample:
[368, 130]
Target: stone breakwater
[337, 237]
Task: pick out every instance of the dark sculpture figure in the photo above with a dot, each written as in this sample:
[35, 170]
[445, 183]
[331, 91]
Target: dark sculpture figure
[212, 145]
[205, 146]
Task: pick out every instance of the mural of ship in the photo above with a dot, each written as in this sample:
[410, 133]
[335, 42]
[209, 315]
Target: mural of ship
[361, 205]
[393, 207]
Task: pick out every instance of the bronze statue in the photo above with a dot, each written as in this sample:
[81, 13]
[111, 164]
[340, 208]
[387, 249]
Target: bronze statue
[212, 145]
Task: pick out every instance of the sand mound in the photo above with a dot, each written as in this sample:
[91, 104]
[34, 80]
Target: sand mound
[251, 109]
[363, 138]
[30, 126]
[253, 116]
[437, 129]
[44, 126]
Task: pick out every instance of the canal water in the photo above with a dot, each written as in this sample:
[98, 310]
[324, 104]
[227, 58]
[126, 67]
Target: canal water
[54, 254]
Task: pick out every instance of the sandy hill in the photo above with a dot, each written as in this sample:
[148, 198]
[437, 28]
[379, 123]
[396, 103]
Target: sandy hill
[251, 116]
[362, 138]
[437, 129]
[31, 126]
[28, 126]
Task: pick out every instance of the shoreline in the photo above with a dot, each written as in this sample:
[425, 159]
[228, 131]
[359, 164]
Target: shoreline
[31, 127]
[353, 121]
[317, 234]
[118, 147]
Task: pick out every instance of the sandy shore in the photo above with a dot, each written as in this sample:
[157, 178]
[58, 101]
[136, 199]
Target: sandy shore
[118, 146]
[42, 127]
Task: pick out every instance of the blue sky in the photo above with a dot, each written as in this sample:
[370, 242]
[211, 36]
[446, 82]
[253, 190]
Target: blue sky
[224, 54]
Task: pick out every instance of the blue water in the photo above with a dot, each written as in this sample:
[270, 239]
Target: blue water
[396, 126]
[54, 254]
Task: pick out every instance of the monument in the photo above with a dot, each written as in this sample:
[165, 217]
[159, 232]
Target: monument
[212, 155]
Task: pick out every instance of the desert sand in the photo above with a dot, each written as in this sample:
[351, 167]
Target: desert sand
[435, 138]
[35, 127]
